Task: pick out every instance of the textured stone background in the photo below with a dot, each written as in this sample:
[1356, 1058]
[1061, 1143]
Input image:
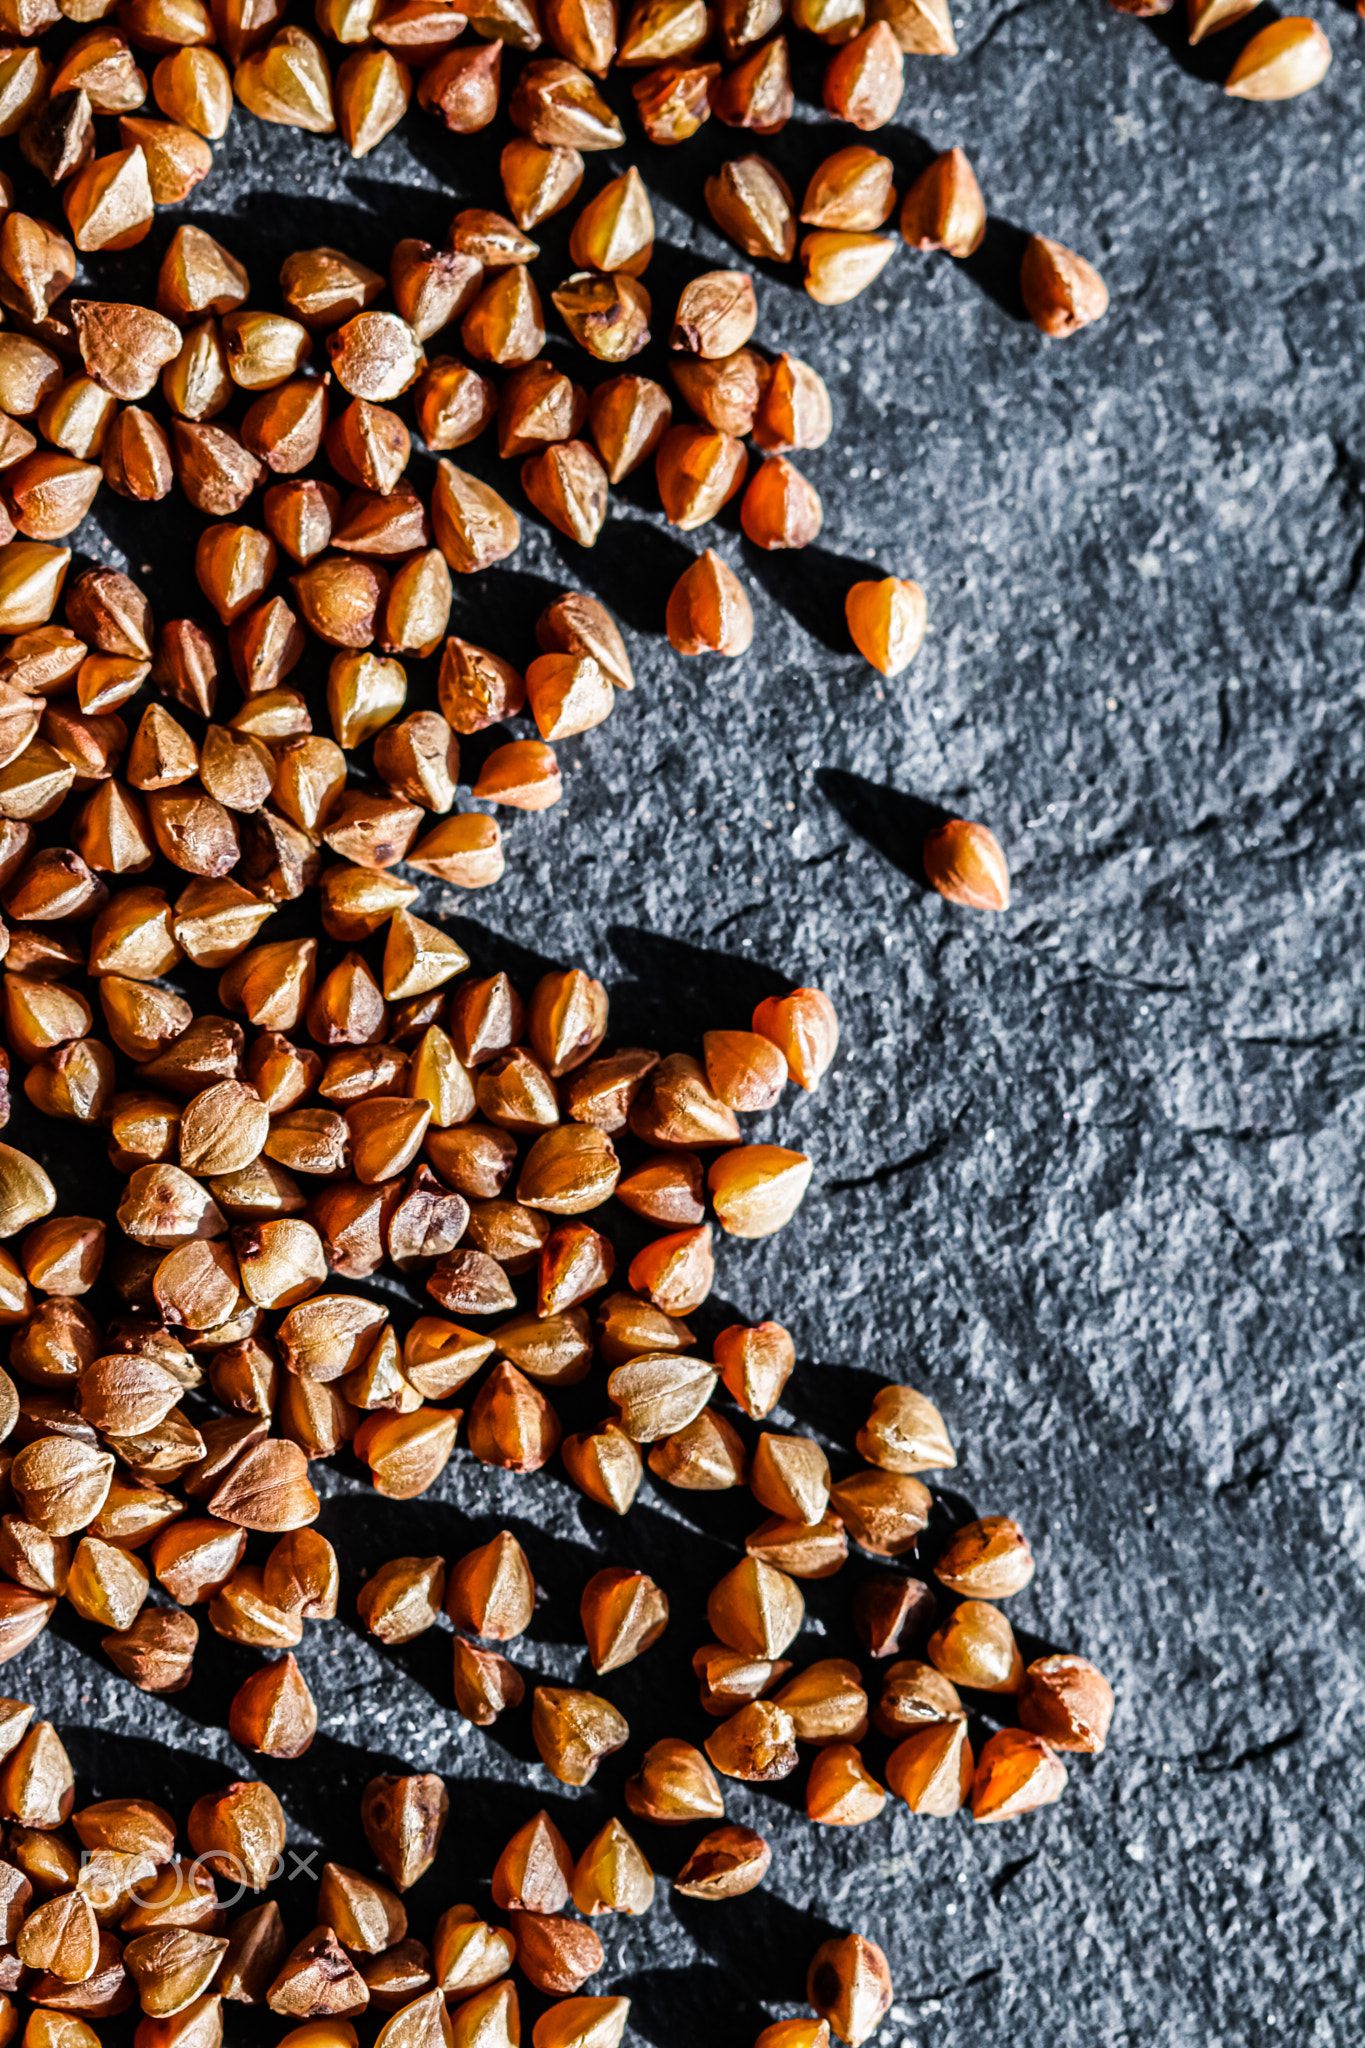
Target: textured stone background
[1087, 1172]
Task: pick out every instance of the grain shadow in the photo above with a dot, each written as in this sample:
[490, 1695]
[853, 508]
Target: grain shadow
[891, 821]
[667, 2006]
[811, 584]
[465, 167]
[1211, 61]
[761, 1943]
[994, 268]
[671, 992]
[632, 569]
[278, 230]
[503, 603]
[831, 1397]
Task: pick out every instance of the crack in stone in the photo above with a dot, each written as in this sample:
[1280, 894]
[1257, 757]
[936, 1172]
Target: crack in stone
[1007, 1873]
[880, 1176]
[1349, 477]
[1210, 1763]
[1092, 971]
[1242, 1134]
[1010, 14]
[1248, 1242]
[951, 1990]
[1315, 1042]
[714, 931]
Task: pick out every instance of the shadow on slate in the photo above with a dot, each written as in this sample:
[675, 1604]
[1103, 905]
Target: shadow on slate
[680, 176]
[673, 992]
[893, 823]
[631, 569]
[718, 1524]
[762, 1942]
[272, 232]
[639, 492]
[502, 602]
[994, 268]
[716, 1313]
[910, 152]
[110, 1765]
[951, 1511]
[832, 1398]
[811, 583]
[425, 1661]
[656, 1996]
[465, 166]
[1211, 61]
[1032, 1645]
[808, 59]
[475, 750]
[671, 269]
[115, 1765]
[427, 215]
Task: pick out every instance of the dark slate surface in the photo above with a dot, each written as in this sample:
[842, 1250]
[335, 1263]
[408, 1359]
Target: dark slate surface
[1086, 1173]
